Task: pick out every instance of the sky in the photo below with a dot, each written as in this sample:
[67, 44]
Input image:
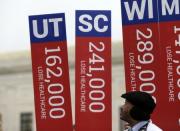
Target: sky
[14, 26]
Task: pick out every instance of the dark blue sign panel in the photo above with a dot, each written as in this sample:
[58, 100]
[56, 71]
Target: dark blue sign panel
[47, 28]
[139, 11]
[169, 10]
[93, 23]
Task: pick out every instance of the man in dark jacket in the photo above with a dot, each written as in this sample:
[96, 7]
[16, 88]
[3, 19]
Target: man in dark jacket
[137, 111]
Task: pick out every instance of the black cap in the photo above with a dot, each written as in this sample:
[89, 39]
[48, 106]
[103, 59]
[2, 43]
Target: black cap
[142, 100]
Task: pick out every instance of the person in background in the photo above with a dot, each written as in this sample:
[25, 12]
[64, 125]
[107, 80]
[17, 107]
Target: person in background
[137, 111]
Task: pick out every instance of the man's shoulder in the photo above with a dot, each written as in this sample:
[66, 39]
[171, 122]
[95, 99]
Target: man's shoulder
[153, 127]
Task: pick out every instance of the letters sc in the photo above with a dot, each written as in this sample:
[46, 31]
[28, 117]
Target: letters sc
[93, 22]
[88, 23]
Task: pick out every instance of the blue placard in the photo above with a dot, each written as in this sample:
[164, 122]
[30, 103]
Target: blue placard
[169, 10]
[139, 11]
[93, 23]
[46, 28]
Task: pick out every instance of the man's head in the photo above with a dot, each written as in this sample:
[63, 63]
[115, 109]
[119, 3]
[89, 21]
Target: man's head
[138, 106]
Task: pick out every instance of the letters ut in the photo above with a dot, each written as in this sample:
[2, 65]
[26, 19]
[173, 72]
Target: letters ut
[44, 33]
[168, 7]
